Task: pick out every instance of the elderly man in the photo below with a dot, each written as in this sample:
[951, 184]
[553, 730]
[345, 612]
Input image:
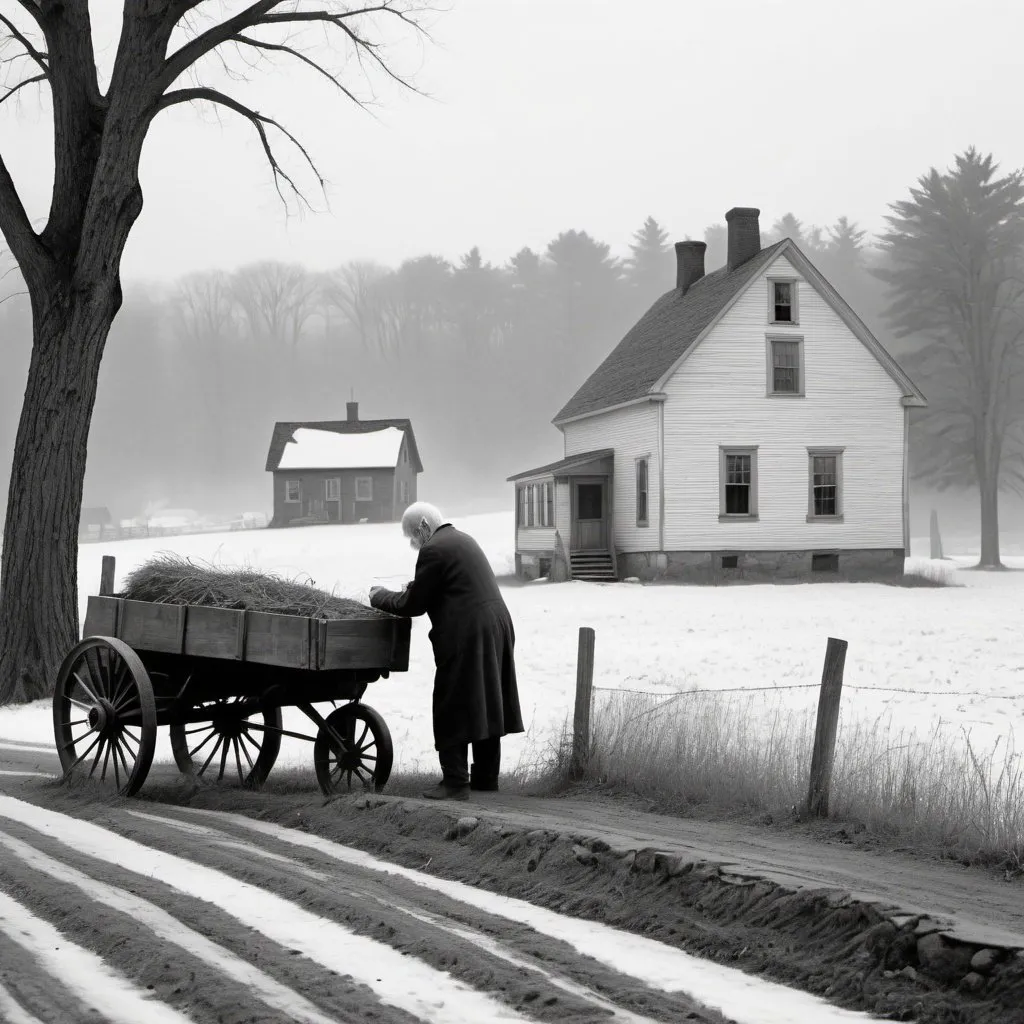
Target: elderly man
[476, 700]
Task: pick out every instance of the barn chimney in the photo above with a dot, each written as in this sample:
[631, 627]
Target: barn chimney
[352, 411]
[689, 264]
[744, 235]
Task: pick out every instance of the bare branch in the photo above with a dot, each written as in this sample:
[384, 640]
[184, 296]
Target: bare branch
[21, 85]
[259, 122]
[15, 226]
[38, 56]
[33, 7]
[282, 48]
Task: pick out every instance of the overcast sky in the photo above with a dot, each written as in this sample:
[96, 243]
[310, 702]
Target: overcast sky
[546, 115]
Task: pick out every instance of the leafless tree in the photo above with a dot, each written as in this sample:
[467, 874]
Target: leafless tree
[71, 266]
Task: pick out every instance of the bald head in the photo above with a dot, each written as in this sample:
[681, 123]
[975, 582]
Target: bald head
[419, 521]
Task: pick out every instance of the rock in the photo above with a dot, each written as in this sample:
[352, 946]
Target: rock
[465, 825]
[909, 973]
[943, 960]
[972, 982]
[984, 960]
[902, 950]
[583, 855]
[598, 845]
[644, 860]
[628, 859]
[536, 835]
[631, 579]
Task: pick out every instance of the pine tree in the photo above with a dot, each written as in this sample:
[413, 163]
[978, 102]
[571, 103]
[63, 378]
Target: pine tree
[954, 254]
[649, 269]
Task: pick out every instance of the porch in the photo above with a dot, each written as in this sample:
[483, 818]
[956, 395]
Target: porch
[568, 502]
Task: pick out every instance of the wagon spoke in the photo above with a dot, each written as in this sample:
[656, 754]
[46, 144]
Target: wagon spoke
[123, 685]
[81, 757]
[117, 773]
[78, 703]
[366, 729]
[105, 748]
[125, 737]
[350, 778]
[91, 660]
[245, 750]
[238, 761]
[210, 736]
[118, 752]
[223, 759]
[78, 721]
[213, 753]
[81, 683]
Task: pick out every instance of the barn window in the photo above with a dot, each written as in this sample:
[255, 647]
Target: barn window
[641, 492]
[531, 500]
[521, 506]
[546, 511]
[364, 488]
[785, 366]
[730, 561]
[292, 490]
[825, 562]
[332, 488]
[738, 483]
[782, 302]
[824, 484]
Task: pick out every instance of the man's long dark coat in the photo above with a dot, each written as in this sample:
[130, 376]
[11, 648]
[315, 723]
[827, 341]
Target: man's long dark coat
[475, 691]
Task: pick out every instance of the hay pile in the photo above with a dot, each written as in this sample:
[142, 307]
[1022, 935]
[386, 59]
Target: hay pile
[172, 579]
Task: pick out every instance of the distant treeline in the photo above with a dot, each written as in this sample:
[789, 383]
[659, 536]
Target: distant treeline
[479, 356]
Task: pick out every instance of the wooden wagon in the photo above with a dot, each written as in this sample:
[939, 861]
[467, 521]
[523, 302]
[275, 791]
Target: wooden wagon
[218, 678]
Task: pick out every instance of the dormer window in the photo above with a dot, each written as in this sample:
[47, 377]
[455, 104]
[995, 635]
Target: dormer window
[782, 299]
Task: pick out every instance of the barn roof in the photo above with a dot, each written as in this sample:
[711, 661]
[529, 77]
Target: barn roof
[284, 432]
[327, 449]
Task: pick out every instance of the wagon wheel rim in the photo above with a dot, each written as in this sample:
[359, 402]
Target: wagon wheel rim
[105, 715]
[353, 757]
[228, 744]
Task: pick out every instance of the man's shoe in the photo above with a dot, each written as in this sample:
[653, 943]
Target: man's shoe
[484, 785]
[442, 791]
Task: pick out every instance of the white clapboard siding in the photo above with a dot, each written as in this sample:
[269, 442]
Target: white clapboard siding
[633, 433]
[562, 511]
[718, 397]
[537, 538]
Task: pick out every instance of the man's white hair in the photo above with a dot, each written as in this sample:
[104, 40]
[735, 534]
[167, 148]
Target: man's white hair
[421, 511]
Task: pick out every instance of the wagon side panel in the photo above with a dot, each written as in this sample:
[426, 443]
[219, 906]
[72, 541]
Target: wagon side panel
[283, 640]
[216, 633]
[147, 626]
[365, 643]
[101, 617]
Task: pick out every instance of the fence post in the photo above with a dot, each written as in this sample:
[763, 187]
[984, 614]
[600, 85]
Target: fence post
[826, 728]
[107, 576]
[935, 536]
[584, 700]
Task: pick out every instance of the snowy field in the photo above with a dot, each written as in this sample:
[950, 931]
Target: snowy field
[948, 658]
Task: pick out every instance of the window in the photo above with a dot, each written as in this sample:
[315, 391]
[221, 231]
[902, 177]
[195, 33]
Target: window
[364, 488]
[332, 488]
[782, 306]
[521, 506]
[403, 492]
[825, 472]
[738, 483]
[825, 562]
[292, 491]
[730, 561]
[531, 501]
[547, 505]
[785, 366]
[641, 492]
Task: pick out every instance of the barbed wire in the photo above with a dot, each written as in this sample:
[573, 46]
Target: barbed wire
[815, 686]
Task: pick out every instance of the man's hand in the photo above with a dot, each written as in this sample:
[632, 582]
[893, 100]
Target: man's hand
[376, 590]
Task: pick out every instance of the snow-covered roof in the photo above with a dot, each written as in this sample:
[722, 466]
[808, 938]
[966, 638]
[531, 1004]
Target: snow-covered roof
[325, 449]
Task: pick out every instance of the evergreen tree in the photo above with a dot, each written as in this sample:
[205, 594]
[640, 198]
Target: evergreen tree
[716, 237]
[649, 270]
[954, 253]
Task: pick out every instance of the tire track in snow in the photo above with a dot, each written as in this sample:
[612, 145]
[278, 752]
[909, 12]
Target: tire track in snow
[85, 974]
[748, 999]
[400, 981]
[12, 1012]
[170, 930]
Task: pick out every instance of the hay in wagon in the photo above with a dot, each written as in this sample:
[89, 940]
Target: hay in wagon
[169, 578]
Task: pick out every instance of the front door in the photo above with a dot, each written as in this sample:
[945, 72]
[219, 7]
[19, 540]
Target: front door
[589, 520]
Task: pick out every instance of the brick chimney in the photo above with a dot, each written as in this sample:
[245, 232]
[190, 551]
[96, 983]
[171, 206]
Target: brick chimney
[689, 264]
[744, 235]
[352, 411]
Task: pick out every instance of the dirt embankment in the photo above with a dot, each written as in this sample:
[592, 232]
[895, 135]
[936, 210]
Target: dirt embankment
[823, 941]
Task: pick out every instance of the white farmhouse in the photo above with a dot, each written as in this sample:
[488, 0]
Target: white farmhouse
[748, 426]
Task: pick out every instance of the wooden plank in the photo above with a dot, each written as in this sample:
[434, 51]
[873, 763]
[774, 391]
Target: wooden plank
[366, 643]
[214, 632]
[147, 626]
[584, 702]
[107, 576]
[823, 752]
[275, 639]
[100, 617]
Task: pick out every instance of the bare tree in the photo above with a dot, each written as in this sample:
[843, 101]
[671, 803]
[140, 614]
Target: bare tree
[353, 290]
[71, 267]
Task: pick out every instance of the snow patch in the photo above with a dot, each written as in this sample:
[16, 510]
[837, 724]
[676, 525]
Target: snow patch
[325, 449]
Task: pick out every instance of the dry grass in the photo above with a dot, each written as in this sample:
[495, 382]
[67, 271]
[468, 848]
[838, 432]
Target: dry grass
[744, 754]
[929, 572]
[169, 578]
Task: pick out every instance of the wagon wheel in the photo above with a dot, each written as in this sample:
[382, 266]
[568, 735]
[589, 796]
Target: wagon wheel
[229, 742]
[364, 756]
[103, 708]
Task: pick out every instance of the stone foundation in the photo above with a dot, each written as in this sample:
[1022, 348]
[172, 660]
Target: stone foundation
[874, 564]
[531, 565]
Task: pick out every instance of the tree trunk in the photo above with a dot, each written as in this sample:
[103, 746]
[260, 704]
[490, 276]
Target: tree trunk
[39, 563]
[990, 523]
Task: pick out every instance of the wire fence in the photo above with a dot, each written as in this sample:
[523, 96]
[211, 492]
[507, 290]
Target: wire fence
[814, 686]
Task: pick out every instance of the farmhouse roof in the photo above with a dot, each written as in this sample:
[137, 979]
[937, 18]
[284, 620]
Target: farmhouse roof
[284, 433]
[640, 363]
[563, 465]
